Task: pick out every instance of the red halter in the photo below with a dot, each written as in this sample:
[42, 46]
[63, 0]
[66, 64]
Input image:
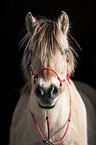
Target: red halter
[47, 117]
[47, 68]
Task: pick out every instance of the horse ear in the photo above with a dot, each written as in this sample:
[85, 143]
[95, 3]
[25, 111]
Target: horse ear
[30, 22]
[63, 22]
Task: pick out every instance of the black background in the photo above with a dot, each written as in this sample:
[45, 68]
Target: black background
[82, 19]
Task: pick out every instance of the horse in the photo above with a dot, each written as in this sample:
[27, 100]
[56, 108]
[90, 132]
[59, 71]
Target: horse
[52, 108]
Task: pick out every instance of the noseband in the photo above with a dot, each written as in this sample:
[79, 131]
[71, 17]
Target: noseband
[34, 76]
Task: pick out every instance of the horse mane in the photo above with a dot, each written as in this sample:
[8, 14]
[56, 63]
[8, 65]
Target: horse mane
[46, 34]
[46, 37]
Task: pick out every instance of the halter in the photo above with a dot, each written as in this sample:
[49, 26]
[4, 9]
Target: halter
[34, 76]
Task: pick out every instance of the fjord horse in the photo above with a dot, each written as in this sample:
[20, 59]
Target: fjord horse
[50, 109]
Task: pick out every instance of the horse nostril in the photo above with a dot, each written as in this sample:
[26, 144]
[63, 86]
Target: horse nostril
[54, 91]
[39, 91]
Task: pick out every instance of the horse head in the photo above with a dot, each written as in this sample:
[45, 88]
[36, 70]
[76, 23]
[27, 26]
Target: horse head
[47, 47]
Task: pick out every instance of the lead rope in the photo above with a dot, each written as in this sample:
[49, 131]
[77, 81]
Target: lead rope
[48, 125]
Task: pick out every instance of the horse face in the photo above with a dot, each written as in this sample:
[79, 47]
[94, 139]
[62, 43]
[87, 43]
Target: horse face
[47, 82]
[48, 43]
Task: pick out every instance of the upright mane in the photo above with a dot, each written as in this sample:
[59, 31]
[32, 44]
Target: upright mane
[44, 36]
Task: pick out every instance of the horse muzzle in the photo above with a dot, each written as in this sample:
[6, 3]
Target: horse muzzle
[47, 97]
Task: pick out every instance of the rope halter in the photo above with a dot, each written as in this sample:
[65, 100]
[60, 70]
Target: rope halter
[34, 76]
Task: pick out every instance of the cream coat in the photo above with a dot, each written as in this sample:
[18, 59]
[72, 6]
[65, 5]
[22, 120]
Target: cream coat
[39, 54]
